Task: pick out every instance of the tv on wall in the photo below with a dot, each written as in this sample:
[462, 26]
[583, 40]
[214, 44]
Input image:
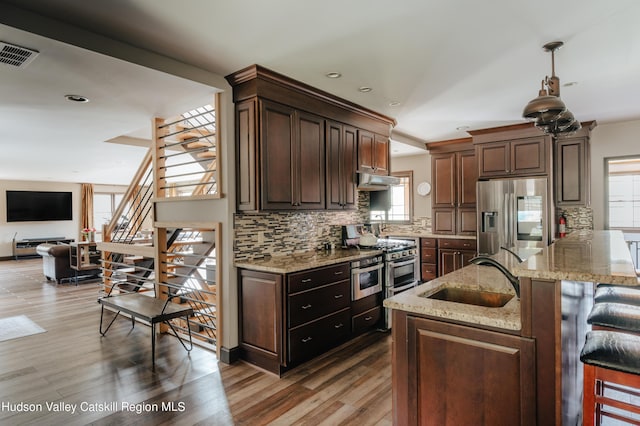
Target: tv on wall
[29, 206]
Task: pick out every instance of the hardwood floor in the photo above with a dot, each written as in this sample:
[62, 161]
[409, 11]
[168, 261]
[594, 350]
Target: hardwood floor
[109, 379]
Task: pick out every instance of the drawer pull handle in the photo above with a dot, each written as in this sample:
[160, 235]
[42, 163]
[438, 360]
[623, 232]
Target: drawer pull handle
[306, 280]
[338, 296]
[337, 273]
[368, 318]
[306, 339]
[306, 306]
[338, 325]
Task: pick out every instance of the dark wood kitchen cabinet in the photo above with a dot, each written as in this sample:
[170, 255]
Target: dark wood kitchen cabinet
[282, 141]
[573, 169]
[373, 153]
[292, 160]
[341, 155]
[454, 254]
[286, 319]
[428, 259]
[522, 157]
[454, 177]
[444, 372]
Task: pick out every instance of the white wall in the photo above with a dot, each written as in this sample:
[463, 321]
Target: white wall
[609, 140]
[421, 166]
[48, 229]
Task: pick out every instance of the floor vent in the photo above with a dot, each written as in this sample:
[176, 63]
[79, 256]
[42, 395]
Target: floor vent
[17, 56]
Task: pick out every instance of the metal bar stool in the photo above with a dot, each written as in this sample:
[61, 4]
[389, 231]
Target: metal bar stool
[611, 361]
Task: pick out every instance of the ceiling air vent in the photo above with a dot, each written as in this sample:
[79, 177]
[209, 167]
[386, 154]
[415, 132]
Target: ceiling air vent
[17, 56]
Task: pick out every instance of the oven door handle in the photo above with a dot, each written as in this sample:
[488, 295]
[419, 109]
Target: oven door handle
[394, 290]
[406, 262]
[369, 269]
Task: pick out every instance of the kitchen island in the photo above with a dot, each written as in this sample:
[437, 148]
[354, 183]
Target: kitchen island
[515, 362]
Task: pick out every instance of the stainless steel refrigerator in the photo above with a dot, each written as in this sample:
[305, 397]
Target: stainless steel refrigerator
[514, 213]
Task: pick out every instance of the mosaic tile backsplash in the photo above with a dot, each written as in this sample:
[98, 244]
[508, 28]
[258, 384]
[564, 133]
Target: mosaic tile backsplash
[578, 218]
[282, 233]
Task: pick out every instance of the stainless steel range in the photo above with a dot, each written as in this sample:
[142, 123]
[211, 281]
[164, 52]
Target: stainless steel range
[401, 270]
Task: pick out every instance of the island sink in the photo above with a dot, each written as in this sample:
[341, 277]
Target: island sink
[471, 297]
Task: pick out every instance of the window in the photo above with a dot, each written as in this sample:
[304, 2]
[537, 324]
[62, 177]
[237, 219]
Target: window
[395, 204]
[623, 193]
[104, 204]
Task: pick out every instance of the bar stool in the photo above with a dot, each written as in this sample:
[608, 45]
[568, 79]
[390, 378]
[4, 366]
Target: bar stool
[611, 361]
[617, 294]
[621, 317]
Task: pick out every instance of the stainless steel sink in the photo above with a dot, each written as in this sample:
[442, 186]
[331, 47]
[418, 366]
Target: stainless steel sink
[471, 297]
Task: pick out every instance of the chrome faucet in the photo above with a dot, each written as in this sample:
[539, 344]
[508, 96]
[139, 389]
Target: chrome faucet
[488, 261]
[520, 260]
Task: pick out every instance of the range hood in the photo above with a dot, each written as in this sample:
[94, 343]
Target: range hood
[371, 182]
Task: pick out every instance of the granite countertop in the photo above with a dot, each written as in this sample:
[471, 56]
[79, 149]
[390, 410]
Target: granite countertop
[584, 256]
[472, 277]
[302, 261]
[587, 256]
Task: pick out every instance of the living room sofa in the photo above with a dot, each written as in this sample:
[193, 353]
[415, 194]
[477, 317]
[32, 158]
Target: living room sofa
[55, 262]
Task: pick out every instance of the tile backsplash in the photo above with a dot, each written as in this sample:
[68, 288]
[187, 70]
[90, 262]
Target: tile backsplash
[578, 218]
[283, 233]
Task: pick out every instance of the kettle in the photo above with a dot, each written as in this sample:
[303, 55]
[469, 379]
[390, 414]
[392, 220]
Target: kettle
[368, 239]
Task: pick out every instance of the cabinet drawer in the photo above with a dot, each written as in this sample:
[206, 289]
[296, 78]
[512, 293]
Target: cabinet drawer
[429, 255]
[309, 305]
[319, 335]
[428, 242]
[457, 244]
[429, 272]
[309, 279]
[366, 320]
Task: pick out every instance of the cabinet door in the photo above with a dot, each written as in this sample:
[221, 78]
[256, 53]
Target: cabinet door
[349, 162]
[448, 261]
[529, 156]
[261, 319]
[381, 155]
[465, 376]
[467, 174]
[309, 165]
[443, 169]
[277, 154]
[444, 220]
[365, 150]
[341, 152]
[493, 159]
[466, 221]
[466, 256]
[572, 172]
[246, 156]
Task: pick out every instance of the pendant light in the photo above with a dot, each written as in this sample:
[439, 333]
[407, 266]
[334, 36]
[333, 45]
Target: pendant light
[548, 111]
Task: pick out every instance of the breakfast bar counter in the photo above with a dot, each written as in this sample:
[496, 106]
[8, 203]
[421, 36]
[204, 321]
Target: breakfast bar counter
[523, 352]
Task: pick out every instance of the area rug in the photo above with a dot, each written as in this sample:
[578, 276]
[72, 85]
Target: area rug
[18, 326]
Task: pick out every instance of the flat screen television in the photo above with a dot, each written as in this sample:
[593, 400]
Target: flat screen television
[29, 206]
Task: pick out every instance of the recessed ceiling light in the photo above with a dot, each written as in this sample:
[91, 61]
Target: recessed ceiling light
[394, 104]
[76, 98]
[569, 84]
[365, 89]
[333, 74]
[462, 128]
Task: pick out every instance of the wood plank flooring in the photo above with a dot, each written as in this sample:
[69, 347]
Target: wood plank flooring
[109, 379]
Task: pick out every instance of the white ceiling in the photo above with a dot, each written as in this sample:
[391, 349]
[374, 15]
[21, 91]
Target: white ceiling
[449, 63]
